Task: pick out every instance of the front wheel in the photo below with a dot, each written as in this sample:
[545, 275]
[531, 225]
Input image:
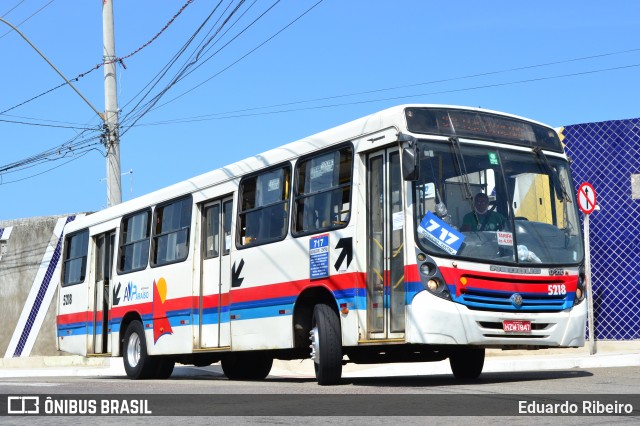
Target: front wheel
[467, 362]
[326, 345]
[137, 362]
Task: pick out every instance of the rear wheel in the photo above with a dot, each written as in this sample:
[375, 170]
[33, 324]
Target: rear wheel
[247, 366]
[137, 362]
[164, 368]
[467, 362]
[326, 345]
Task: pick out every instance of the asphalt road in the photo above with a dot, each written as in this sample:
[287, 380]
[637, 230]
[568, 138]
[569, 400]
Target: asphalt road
[293, 398]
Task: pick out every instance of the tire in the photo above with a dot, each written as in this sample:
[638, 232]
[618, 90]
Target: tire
[247, 366]
[467, 362]
[137, 362]
[326, 345]
[164, 368]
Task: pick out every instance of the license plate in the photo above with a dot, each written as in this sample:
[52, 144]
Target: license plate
[516, 326]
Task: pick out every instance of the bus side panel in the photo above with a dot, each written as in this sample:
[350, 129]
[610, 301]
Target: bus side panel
[263, 292]
[162, 298]
[272, 277]
[74, 321]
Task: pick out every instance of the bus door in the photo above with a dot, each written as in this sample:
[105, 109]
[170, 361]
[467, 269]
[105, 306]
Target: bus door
[385, 246]
[104, 248]
[215, 280]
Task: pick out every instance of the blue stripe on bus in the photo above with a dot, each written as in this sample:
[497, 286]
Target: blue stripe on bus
[354, 298]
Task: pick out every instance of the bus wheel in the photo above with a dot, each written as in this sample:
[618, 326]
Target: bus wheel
[326, 345]
[164, 368]
[137, 362]
[247, 366]
[467, 362]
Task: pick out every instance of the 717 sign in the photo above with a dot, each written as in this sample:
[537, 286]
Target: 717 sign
[440, 233]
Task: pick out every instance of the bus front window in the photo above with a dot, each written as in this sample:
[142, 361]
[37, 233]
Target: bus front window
[482, 203]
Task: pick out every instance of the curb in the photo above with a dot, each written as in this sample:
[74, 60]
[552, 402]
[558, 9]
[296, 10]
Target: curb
[608, 354]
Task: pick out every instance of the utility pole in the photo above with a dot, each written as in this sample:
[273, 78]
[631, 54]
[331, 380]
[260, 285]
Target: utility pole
[111, 135]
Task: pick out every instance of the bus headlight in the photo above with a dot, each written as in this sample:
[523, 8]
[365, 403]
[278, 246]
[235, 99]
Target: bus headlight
[431, 277]
[428, 269]
[433, 285]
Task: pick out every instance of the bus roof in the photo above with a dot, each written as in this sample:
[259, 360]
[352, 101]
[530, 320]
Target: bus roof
[389, 118]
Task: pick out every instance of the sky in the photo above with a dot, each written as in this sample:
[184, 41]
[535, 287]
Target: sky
[217, 86]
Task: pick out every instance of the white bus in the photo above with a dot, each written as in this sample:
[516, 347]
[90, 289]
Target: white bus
[358, 244]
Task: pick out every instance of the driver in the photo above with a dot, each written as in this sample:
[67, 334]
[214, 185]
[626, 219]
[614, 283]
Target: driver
[482, 219]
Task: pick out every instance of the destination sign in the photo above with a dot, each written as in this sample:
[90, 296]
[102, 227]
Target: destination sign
[481, 125]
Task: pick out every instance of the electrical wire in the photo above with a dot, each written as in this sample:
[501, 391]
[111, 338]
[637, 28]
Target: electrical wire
[140, 110]
[30, 16]
[2, 182]
[12, 9]
[242, 57]
[98, 66]
[238, 114]
[44, 125]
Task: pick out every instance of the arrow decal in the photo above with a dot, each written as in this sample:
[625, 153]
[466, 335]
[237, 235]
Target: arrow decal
[346, 244]
[116, 297]
[236, 281]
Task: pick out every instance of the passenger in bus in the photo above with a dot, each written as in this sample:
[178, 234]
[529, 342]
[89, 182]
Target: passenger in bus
[482, 218]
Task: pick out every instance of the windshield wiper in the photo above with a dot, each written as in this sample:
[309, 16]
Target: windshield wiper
[462, 167]
[558, 185]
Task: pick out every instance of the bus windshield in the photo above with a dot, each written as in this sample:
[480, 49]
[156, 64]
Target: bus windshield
[492, 204]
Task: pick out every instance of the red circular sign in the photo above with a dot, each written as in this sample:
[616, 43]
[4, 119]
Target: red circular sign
[586, 198]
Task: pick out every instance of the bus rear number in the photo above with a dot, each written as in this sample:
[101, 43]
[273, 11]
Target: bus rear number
[557, 290]
[66, 299]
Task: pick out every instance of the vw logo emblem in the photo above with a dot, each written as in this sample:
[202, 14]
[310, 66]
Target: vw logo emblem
[516, 300]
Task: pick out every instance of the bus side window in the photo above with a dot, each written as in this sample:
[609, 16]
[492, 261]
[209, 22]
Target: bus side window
[74, 264]
[171, 232]
[264, 199]
[134, 242]
[323, 191]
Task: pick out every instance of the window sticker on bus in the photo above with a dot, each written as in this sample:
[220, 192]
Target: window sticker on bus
[319, 256]
[321, 169]
[398, 220]
[493, 158]
[440, 233]
[505, 238]
[274, 184]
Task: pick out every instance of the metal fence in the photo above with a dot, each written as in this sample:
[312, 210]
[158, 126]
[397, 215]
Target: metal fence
[607, 154]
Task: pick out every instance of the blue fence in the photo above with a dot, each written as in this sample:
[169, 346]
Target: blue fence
[607, 154]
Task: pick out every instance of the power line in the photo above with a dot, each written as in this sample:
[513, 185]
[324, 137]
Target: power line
[98, 66]
[244, 56]
[157, 35]
[14, 7]
[78, 142]
[44, 120]
[139, 111]
[44, 125]
[138, 116]
[239, 113]
[46, 171]
[30, 16]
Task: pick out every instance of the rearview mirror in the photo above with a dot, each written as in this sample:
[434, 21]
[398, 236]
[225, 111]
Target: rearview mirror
[410, 158]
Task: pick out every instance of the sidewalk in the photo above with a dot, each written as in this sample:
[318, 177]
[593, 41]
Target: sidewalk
[608, 354]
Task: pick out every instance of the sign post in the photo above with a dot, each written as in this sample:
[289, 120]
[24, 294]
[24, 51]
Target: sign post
[587, 203]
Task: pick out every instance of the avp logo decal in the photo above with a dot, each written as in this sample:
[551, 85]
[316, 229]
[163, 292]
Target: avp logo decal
[131, 292]
[161, 325]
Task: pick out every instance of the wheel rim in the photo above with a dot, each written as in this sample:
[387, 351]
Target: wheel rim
[315, 344]
[133, 350]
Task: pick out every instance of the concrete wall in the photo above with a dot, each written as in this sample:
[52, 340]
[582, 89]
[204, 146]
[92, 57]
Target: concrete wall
[19, 267]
